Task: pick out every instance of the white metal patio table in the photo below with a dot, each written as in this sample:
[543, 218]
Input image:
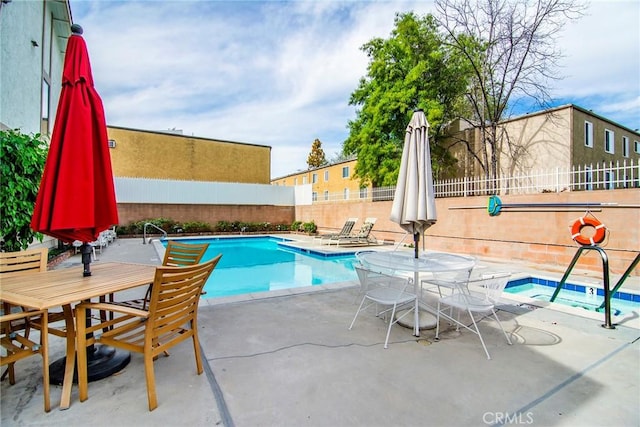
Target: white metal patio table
[427, 262]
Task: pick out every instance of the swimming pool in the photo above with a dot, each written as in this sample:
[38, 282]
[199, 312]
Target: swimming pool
[580, 296]
[258, 264]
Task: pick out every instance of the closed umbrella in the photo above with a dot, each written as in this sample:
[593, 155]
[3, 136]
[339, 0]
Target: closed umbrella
[414, 206]
[76, 199]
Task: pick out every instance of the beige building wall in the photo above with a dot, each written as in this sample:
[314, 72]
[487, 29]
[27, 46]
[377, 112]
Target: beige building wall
[549, 139]
[332, 182]
[147, 154]
[536, 141]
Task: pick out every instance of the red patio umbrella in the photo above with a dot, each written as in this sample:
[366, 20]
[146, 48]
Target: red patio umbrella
[76, 200]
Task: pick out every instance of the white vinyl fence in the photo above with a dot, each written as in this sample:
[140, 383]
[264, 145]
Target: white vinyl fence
[604, 176]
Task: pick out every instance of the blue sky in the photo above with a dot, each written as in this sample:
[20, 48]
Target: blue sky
[280, 73]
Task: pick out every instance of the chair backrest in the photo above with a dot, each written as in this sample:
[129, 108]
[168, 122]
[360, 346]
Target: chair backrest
[365, 230]
[180, 254]
[174, 297]
[23, 262]
[370, 279]
[494, 285]
[363, 276]
[347, 228]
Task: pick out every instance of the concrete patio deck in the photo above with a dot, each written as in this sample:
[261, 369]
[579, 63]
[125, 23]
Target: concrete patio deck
[289, 360]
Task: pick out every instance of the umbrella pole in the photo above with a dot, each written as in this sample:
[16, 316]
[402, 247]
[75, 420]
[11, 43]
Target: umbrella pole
[86, 250]
[102, 361]
[416, 240]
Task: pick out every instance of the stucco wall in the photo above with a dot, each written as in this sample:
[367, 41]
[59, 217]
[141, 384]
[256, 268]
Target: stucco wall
[538, 141]
[539, 237]
[21, 61]
[160, 155]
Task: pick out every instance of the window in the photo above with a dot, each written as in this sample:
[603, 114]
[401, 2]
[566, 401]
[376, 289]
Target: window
[609, 141]
[625, 146]
[363, 193]
[608, 180]
[314, 178]
[46, 106]
[326, 176]
[346, 194]
[314, 196]
[588, 178]
[636, 146]
[588, 134]
[326, 194]
[345, 172]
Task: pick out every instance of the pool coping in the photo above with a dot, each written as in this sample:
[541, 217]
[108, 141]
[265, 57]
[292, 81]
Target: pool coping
[303, 243]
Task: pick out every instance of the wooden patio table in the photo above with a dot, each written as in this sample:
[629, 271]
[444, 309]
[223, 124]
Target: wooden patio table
[63, 287]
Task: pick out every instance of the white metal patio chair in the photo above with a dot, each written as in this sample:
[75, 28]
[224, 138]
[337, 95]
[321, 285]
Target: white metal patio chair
[473, 302]
[392, 292]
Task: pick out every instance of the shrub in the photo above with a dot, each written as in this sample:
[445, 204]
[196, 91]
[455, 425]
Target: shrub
[309, 227]
[295, 225]
[22, 162]
[196, 227]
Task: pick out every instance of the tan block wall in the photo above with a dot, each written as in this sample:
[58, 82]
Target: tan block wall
[131, 212]
[145, 154]
[539, 237]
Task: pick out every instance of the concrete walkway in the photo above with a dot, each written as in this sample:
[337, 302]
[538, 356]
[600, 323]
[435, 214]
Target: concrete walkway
[290, 360]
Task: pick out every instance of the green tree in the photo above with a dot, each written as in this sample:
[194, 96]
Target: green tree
[510, 48]
[316, 156]
[23, 158]
[410, 70]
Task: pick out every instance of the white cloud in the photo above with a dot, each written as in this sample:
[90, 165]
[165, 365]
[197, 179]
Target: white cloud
[281, 73]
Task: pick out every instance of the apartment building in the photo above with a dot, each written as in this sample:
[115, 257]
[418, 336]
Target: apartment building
[333, 182]
[563, 137]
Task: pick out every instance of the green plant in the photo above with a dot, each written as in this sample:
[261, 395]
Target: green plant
[195, 227]
[309, 227]
[23, 158]
[295, 225]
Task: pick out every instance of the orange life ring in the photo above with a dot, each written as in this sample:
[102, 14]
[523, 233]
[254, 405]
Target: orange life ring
[576, 231]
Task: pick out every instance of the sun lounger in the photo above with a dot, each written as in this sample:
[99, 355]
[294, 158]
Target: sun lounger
[347, 228]
[361, 238]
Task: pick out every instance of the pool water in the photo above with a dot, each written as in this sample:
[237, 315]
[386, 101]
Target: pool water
[258, 264]
[580, 296]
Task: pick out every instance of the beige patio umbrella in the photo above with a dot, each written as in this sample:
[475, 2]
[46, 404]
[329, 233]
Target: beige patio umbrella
[414, 206]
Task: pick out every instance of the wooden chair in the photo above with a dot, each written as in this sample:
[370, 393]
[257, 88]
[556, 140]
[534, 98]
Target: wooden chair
[17, 346]
[176, 255]
[170, 319]
[25, 263]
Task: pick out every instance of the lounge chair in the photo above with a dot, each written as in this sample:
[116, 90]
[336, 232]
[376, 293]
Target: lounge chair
[347, 228]
[361, 238]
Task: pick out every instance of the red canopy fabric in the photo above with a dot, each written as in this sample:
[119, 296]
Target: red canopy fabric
[76, 199]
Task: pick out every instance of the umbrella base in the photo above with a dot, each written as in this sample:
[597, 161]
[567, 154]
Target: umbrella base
[101, 363]
[426, 320]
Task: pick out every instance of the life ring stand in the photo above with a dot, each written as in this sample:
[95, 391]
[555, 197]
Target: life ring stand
[586, 221]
